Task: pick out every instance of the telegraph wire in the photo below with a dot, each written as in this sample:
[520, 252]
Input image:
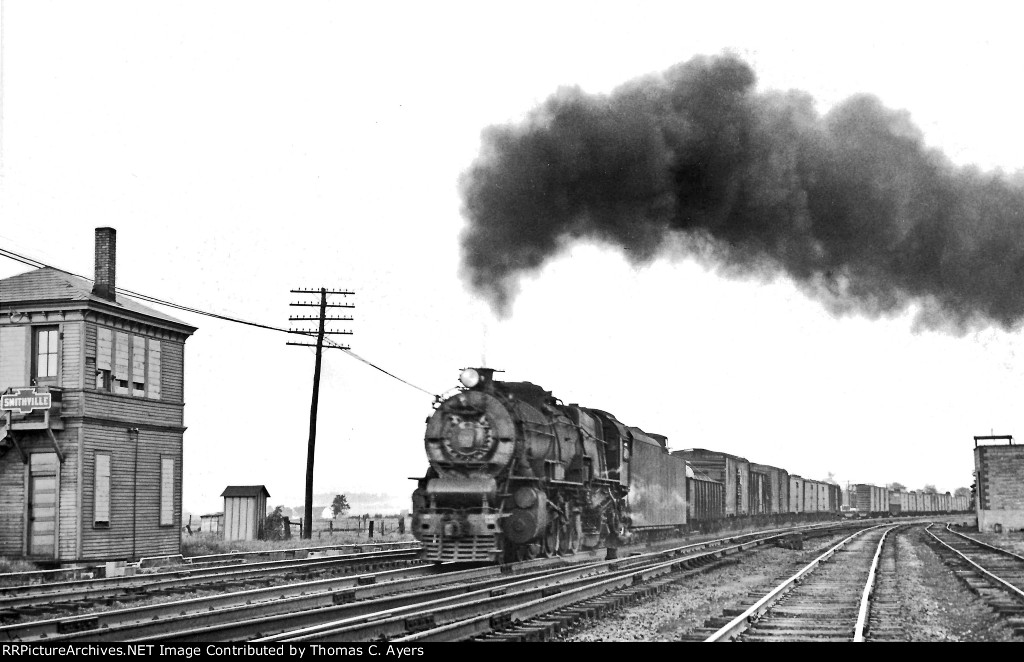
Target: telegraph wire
[32, 262]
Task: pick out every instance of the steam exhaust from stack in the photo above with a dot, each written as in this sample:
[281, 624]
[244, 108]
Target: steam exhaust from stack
[851, 205]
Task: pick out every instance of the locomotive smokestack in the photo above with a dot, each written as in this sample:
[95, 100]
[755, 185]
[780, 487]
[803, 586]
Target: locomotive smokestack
[851, 205]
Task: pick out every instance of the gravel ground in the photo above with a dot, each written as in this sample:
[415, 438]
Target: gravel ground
[685, 606]
[934, 604]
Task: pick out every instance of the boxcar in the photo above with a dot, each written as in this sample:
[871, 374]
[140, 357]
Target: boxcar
[776, 491]
[732, 471]
[706, 499]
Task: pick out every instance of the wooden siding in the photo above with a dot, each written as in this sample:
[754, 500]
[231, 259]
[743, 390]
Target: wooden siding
[14, 356]
[12, 504]
[242, 516]
[67, 544]
[135, 529]
[71, 355]
[131, 410]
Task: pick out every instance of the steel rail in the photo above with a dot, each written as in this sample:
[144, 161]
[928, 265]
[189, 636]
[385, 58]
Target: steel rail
[473, 613]
[147, 578]
[291, 552]
[348, 587]
[740, 623]
[364, 611]
[63, 576]
[999, 580]
[157, 619]
[558, 598]
[869, 588]
[105, 588]
[986, 545]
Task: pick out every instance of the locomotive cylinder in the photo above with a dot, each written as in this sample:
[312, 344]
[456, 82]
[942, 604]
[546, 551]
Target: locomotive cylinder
[530, 516]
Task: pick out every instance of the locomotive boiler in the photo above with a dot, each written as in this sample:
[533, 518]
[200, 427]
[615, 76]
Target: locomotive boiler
[515, 474]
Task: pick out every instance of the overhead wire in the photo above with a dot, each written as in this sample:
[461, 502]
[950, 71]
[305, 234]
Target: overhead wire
[32, 262]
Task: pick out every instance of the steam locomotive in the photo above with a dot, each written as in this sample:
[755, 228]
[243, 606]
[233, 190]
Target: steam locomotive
[515, 474]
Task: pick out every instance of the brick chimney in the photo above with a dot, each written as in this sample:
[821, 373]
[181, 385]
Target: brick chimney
[106, 259]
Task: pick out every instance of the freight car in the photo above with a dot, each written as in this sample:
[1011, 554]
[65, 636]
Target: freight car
[514, 473]
[872, 500]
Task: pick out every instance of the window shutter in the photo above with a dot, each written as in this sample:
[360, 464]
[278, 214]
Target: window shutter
[138, 365]
[138, 359]
[13, 356]
[153, 362]
[166, 491]
[121, 357]
[101, 497]
[104, 348]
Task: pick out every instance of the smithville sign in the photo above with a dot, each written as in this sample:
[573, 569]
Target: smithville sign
[24, 400]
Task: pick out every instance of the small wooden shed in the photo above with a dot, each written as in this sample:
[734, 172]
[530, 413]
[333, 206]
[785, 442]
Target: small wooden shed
[245, 509]
[211, 523]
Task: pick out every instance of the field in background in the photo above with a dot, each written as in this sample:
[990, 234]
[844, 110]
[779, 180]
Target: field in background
[342, 531]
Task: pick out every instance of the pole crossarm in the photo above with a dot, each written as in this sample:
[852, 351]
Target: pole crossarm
[313, 332]
[313, 304]
[319, 290]
[309, 344]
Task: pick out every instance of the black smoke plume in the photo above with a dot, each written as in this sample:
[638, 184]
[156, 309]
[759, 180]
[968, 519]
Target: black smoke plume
[851, 205]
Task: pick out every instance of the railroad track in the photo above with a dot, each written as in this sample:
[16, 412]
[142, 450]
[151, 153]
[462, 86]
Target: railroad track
[34, 600]
[175, 562]
[826, 600]
[994, 574]
[533, 607]
[884, 616]
[235, 614]
[229, 616]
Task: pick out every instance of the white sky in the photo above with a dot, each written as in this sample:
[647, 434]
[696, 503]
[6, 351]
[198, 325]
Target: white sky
[244, 149]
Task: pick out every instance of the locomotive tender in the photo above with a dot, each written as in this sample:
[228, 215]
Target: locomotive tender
[515, 473]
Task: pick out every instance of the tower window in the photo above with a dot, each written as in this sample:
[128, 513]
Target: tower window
[46, 349]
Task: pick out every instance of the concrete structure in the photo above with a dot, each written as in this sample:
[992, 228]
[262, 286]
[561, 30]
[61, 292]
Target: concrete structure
[245, 510]
[999, 472]
[91, 418]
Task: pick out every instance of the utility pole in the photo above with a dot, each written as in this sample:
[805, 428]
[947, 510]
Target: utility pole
[322, 318]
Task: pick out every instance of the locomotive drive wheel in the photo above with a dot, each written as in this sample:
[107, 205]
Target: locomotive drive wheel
[552, 540]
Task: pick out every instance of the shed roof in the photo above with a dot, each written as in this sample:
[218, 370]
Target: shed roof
[53, 285]
[244, 491]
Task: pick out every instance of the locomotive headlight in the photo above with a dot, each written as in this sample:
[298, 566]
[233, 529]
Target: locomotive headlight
[469, 378]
